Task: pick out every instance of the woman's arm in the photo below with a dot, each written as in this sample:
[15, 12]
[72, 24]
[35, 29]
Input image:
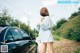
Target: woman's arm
[38, 27]
[47, 25]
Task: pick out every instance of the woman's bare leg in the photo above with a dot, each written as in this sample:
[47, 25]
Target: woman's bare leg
[50, 47]
[43, 47]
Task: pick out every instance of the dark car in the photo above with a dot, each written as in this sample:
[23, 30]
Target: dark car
[15, 40]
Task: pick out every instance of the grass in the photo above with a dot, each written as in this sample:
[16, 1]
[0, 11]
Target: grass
[77, 51]
[57, 38]
[66, 46]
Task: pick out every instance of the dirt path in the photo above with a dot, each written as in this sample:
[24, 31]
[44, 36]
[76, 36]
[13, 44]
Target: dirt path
[65, 46]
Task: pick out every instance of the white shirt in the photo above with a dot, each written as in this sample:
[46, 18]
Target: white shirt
[45, 33]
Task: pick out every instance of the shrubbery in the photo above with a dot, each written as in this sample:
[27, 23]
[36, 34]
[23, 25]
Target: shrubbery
[70, 29]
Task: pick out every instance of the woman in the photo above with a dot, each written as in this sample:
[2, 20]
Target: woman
[45, 34]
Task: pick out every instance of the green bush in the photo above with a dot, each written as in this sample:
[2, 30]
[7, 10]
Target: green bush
[77, 51]
[57, 37]
[70, 29]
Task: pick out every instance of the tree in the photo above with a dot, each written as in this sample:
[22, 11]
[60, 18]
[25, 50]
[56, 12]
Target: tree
[73, 15]
[15, 23]
[6, 18]
[79, 10]
[59, 23]
[35, 32]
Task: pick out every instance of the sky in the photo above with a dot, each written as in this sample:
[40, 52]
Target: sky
[24, 9]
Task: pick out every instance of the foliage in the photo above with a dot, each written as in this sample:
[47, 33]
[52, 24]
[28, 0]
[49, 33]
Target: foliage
[71, 29]
[56, 37]
[5, 19]
[77, 51]
[59, 23]
[15, 23]
[54, 28]
[35, 32]
[75, 14]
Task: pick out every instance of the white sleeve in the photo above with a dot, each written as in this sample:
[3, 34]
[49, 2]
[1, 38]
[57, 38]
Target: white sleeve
[50, 23]
[47, 25]
[38, 27]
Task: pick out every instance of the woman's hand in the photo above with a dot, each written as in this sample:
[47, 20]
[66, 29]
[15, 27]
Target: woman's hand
[38, 26]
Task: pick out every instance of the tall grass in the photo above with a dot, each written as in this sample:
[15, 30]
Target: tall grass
[77, 51]
[57, 38]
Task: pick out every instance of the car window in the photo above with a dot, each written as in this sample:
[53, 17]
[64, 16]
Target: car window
[23, 33]
[8, 37]
[2, 35]
[15, 33]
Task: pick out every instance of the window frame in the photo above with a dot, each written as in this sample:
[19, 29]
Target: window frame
[10, 35]
[27, 37]
[13, 35]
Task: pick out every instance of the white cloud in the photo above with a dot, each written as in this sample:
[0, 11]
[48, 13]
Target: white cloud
[49, 2]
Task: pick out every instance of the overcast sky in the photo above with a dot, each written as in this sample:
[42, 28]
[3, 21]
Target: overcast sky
[24, 9]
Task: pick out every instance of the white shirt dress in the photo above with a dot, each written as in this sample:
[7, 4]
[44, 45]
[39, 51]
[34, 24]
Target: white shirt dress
[45, 33]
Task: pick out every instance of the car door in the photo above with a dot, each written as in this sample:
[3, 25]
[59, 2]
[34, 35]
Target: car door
[27, 40]
[31, 46]
[10, 42]
[17, 39]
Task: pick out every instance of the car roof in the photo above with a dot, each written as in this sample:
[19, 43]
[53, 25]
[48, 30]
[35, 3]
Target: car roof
[2, 27]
